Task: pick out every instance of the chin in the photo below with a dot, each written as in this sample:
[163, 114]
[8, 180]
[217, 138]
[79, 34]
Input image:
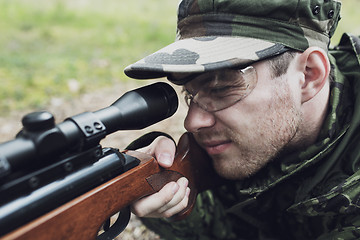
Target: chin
[236, 169]
[233, 173]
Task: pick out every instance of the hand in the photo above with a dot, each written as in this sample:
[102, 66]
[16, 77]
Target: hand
[174, 196]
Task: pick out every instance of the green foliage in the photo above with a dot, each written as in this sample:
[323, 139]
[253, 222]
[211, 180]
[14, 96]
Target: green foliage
[52, 48]
[350, 20]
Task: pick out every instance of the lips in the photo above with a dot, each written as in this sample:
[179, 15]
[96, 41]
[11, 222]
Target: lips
[216, 147]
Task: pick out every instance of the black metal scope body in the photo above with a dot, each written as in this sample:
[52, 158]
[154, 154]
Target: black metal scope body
[40, 138]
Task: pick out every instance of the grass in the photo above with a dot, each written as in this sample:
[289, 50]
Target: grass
[63, 48]
[52, 48]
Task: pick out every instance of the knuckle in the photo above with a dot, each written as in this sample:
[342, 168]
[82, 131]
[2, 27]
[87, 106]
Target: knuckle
[168, 193]
[163, 139]
[137, 211]
[159, 140]
[165, 142]
[166, 199]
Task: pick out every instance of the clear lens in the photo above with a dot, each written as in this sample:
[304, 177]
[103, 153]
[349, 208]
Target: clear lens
[215, 91]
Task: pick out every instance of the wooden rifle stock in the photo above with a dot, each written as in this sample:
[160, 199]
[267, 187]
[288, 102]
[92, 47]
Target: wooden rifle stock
[82, 217]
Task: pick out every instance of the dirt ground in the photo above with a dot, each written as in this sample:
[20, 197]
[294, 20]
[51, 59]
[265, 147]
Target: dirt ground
[61, 108]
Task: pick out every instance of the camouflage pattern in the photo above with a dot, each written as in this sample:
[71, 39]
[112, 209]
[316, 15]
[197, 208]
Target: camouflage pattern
[313, 194]
[214, 34]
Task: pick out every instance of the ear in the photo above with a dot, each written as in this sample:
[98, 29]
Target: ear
[315, 65]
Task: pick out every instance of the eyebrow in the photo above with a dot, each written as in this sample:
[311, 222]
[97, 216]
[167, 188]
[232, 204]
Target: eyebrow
[209, 77]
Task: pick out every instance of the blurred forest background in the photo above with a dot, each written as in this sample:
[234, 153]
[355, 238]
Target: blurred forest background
[52, 48]
[64, 48]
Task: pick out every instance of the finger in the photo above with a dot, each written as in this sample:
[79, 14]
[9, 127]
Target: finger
[176, 204]
[164, 151]
[180, 199]
[150, 204]
[179, 207]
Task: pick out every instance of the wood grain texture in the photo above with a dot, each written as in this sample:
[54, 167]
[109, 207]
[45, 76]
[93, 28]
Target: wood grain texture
[82, 217]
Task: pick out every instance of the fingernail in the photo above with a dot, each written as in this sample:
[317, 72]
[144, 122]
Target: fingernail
[184, 181]
[187, 191]
[165, 158]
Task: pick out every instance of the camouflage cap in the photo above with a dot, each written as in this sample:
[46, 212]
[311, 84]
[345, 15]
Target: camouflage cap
[215, 34]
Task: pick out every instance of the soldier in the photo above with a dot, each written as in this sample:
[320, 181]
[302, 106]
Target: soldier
[276, 110]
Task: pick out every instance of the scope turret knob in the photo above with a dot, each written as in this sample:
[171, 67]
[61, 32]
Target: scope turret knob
[37, 121]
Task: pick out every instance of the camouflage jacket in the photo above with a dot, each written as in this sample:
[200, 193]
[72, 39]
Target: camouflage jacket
[314, 194]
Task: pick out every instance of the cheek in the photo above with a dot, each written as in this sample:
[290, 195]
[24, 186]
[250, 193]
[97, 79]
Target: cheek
[264, 114]
[247, 113]
[251, 109]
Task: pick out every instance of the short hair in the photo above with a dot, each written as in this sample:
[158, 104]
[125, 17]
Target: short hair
[280, 64]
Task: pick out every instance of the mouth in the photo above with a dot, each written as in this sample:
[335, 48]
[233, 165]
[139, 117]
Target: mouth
[216, 147]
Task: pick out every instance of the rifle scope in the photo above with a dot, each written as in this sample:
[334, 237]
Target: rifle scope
[41, 139]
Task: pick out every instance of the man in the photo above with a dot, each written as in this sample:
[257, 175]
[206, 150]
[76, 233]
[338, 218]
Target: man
[277, 113]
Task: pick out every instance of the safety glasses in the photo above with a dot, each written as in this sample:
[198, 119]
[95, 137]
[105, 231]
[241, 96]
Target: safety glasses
[215, 91]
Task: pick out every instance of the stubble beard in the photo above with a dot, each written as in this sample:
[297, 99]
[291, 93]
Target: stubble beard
[253, 151]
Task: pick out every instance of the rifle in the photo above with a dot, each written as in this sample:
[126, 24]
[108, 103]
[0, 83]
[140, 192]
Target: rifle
[58, 182]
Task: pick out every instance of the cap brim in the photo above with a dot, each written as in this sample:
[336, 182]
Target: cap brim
[201, 54]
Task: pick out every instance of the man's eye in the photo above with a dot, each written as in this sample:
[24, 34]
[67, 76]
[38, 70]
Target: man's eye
[223, 90]
[228, 92]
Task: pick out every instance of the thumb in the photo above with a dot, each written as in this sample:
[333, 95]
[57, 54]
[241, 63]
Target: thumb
[164, 151]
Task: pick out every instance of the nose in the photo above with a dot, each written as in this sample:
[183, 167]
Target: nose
[197, 118]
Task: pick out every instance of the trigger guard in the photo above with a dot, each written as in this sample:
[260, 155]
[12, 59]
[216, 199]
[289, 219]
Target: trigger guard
[117, 228]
